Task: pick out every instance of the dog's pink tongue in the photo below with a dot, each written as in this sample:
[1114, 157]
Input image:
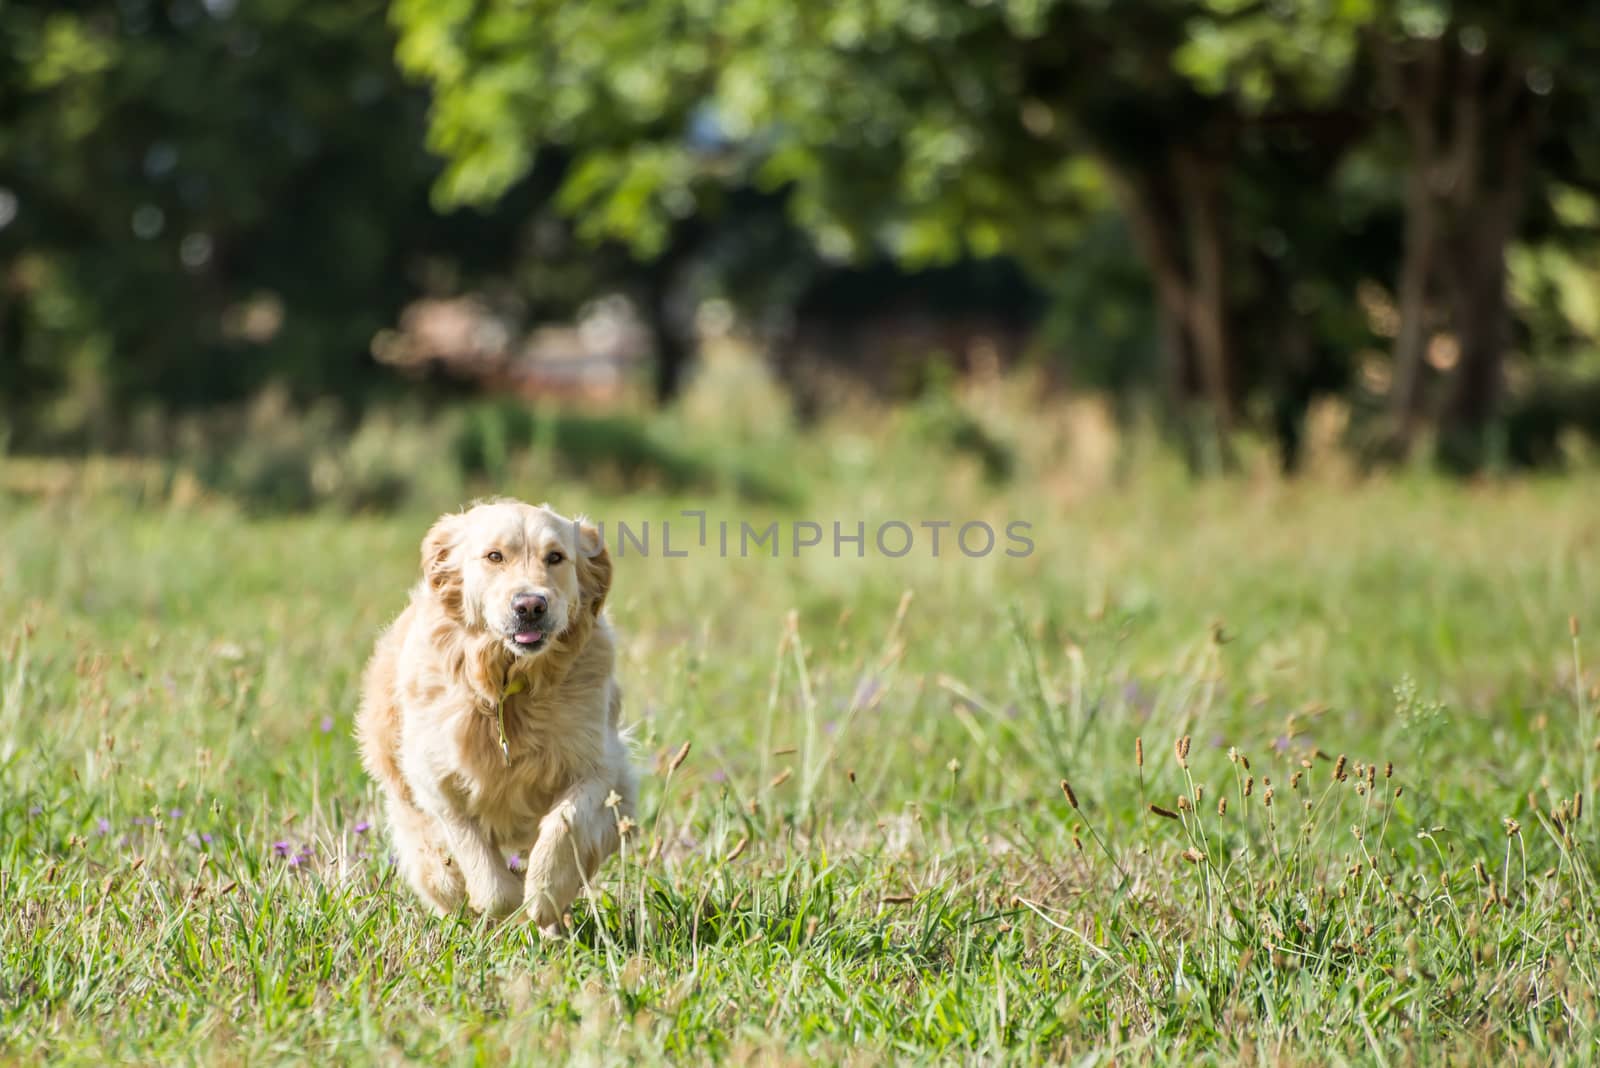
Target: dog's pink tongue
[528, 637]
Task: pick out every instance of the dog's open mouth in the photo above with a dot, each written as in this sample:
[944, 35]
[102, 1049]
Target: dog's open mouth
[528, 641]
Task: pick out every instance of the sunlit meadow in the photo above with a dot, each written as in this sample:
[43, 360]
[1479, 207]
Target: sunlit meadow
[1242, 769]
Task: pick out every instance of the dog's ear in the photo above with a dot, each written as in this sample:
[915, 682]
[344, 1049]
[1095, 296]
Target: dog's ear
[439, 567]
[594, 567]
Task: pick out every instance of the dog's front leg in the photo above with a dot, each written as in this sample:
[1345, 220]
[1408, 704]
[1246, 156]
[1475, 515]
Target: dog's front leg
[492, 889]
[575, 836]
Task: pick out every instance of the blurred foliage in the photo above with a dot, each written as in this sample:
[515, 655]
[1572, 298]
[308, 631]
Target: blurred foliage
[1230, 208]
[492, 439]
[941, 421]
[199, 200]
[196, 211]
[1257, 155]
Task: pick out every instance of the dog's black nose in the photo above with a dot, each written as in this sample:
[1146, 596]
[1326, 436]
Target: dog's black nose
[529, 605]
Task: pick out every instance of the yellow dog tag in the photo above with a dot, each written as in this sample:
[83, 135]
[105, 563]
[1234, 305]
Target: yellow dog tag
[515, 686]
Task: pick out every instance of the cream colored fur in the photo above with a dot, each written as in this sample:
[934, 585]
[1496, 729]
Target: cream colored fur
[430, 735]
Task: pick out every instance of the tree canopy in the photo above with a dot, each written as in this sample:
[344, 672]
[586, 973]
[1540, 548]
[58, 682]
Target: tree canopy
[1228, 206]
[1267, 160]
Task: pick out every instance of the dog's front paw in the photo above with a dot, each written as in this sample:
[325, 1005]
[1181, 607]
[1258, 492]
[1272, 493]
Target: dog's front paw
[498, 901]
[541, 912]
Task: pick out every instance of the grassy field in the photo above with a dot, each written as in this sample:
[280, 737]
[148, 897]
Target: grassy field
[1354, 833]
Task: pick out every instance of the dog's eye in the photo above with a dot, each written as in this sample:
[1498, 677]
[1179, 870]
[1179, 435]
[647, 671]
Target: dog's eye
[553, 558]
[495, 556]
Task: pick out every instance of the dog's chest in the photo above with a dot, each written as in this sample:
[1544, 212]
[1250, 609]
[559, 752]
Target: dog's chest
[550, 751]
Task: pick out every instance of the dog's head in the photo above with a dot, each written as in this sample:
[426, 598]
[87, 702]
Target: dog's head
[525, 576]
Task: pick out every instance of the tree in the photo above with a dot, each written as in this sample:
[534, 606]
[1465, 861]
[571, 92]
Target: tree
[1468, 82]
[205, 198]
[917, 129]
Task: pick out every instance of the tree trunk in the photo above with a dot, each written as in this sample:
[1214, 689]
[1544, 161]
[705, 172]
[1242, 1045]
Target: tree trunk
[1482, 322]
[1179, 232]
[1470, 123]
[1200, 188]
[1474, 399]
[1411, 339]
[1414, 89]
[671, 352]
[1486, 201]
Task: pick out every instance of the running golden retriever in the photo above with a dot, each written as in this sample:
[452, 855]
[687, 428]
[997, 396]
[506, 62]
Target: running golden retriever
[489, 714]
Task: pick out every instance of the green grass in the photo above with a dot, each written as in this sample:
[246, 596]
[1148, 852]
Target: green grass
[867, 854]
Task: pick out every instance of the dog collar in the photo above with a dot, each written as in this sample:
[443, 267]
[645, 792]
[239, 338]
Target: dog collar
[515, 686]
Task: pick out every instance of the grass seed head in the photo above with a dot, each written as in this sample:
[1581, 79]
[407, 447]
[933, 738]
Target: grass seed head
[1193, 855]
[1138, 752]
[1072, 798]
[1164, 813]
[678, 758]
[1180, 748]
[1222, 806]
[1338, 769]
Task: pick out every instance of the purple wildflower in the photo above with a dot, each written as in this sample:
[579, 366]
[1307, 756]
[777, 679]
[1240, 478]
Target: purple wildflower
[363, 827]
[514, 862]
[327, 724]
[102, 826]
[1281, 743]
[719, 776]
[175, 814]
[281, 848]
[34, 810]
[1137, 697]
